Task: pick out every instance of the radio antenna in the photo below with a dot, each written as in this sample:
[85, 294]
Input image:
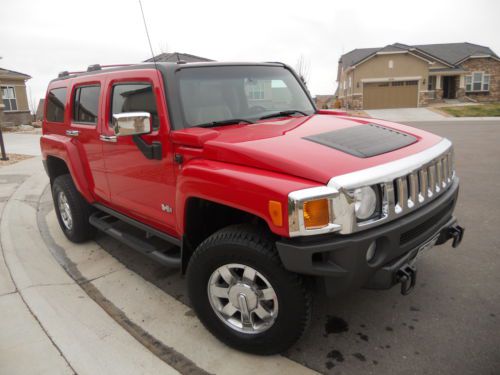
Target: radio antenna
[147, 34]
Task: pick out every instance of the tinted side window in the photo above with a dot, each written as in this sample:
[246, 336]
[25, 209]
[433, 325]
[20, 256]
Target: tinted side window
[86, 104]
[135, 97]
[56, 101]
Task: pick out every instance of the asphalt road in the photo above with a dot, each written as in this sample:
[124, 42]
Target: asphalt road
[449, 325]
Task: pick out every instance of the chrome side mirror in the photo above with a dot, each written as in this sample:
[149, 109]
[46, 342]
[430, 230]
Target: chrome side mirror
[131, 123]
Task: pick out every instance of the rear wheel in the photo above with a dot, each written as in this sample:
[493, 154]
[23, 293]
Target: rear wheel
[72, 210]
[242, 293]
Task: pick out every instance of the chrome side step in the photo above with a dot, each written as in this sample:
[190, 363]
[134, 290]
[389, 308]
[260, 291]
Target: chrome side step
[111, 226]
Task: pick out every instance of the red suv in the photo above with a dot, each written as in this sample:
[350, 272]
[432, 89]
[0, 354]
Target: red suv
[229, 172]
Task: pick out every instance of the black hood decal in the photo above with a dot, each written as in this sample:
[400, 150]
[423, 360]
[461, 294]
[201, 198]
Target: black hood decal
[364, 141]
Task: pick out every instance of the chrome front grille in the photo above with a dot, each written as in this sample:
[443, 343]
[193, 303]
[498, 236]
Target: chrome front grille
[404, 185]
[409, 191]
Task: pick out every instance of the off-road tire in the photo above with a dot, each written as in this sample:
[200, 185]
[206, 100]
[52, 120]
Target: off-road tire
[254, 247]
[80, 210]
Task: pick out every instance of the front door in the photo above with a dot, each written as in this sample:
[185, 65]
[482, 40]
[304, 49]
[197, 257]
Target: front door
[449, 87]
[141, 188]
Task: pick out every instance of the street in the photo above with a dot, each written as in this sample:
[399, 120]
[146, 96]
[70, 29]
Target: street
[448, 325]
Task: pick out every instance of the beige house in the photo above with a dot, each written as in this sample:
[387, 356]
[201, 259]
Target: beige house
[14, 108]
[399, 76]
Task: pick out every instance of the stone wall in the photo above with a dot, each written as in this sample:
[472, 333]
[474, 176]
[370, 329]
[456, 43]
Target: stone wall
[354, 101]
[489, 66]
[15, 118]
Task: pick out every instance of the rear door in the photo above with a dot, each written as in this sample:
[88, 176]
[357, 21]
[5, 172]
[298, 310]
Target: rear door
[84, 127]
[141, 188]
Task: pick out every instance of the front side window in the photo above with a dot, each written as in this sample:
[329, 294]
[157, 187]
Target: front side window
[218, 93]
[135, 97]
[478, 81]
[9, 98]
[86, 104]
[56, 101]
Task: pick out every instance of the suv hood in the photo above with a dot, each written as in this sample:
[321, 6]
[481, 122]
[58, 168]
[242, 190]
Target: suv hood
[302, 146]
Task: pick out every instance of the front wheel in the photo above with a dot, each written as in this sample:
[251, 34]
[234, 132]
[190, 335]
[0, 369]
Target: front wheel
[243, 295]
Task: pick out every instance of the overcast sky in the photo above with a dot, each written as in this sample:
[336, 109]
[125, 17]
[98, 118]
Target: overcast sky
[42, 38]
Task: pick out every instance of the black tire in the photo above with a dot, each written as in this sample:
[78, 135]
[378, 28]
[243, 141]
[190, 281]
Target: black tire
[246, 245]
[80, 210]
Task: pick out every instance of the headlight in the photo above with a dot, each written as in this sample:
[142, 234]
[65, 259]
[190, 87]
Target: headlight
[365, 202]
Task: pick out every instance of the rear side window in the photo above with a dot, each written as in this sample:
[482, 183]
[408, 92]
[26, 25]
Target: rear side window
[135, 97]
[86, 104]
[56, 101]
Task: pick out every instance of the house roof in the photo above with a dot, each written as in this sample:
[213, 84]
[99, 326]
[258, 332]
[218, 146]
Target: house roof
[5, 72]
[177, 56]
[450, 53]
[454, 53]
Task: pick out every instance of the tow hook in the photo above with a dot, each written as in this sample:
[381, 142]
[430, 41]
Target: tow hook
[407, 276]
[457, 233]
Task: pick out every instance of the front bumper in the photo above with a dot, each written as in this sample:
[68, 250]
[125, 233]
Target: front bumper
[341, 260]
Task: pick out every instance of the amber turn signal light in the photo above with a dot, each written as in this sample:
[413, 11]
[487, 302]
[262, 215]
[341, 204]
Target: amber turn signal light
[276, 213]
[316, 214]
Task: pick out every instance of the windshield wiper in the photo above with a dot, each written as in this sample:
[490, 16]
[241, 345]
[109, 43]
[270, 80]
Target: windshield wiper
[283, 113]
[232, 121]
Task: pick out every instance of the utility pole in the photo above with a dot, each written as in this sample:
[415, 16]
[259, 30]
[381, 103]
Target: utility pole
[2, 146]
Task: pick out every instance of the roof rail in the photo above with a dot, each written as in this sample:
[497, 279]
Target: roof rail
[65, 73]
[90, 68]
[94, 67]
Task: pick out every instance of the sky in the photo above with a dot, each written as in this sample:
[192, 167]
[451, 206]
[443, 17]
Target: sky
[42, 38]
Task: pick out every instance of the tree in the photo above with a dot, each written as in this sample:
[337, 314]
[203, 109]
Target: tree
[303, 69]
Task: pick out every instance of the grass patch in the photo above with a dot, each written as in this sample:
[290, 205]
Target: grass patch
[482, 110]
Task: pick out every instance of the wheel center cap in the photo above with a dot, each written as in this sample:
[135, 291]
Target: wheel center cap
[246, 290]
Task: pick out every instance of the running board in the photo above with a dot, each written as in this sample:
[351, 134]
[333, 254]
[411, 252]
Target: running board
[105, 223]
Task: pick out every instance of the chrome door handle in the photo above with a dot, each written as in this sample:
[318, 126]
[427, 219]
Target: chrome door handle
[72, 133]
[108, 138]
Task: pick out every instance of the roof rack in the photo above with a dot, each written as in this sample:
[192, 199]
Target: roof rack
[90, 68]
[94, 67]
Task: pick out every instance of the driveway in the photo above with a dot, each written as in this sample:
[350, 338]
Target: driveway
[406, 114]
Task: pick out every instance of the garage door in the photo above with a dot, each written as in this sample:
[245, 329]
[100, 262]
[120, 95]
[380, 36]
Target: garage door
[400, 94]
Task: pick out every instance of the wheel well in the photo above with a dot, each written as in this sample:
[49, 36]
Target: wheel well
[204, 217]
[56, 167]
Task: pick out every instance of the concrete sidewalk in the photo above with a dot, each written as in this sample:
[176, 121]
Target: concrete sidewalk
[73, 308]
[419, 115]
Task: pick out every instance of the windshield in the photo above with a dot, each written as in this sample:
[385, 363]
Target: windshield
[219, 93]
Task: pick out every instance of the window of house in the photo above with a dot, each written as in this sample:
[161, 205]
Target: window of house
[56, 101]
[431, 83]
[486, 83]
[468, 83]
[391, 64]
[478, 81]
[135, 97]
[350, 82]
[86, 104]
[9, 98]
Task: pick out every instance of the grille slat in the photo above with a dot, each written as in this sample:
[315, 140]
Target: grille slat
[421, 185]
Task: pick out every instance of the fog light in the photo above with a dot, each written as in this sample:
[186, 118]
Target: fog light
[370, 253]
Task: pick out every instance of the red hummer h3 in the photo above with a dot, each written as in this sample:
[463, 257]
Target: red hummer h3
[228, 171]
